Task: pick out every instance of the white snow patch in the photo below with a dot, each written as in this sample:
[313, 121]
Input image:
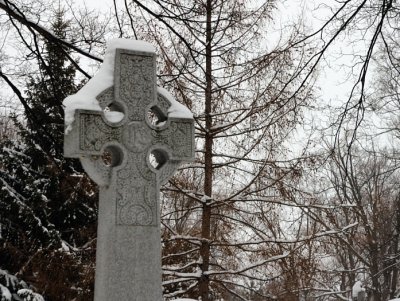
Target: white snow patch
[5, 294]
[28, 295]
[205, 199]
[113, 116]
[64, 246]
[185, 299]
[357, 287]
[176, 109]
[85, 98]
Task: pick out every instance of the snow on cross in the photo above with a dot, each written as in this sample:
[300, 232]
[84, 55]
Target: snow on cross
[86, 98]
[122, 111]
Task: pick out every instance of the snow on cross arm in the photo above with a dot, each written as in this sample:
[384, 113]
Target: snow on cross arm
[85, 98]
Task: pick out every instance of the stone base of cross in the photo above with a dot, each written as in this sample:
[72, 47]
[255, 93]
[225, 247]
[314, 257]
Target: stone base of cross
[145, 146]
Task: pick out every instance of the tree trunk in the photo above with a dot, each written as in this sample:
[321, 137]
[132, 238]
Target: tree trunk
[204, 282]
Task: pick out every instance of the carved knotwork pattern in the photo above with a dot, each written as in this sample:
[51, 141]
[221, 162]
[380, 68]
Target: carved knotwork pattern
[136, 195]
[94, 132]
[136, 136]
[181, 139]
[106, 97]
[136, 84]
[177, 137]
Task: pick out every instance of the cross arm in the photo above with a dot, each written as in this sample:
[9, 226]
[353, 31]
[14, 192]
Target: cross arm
[90, 135]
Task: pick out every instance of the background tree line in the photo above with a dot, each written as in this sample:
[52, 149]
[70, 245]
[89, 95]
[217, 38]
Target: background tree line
[256, 216]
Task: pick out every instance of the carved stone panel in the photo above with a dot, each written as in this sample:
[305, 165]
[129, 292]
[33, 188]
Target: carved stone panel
[136, 136]
[135, 78]
[178, 137]
[95, 132]
[136, 194]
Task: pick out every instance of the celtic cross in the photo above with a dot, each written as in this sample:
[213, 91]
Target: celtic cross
[144, 147]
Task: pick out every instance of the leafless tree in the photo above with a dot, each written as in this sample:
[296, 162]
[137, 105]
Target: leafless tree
[363, 199]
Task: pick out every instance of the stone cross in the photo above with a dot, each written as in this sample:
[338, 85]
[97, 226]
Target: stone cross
[145, 147]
